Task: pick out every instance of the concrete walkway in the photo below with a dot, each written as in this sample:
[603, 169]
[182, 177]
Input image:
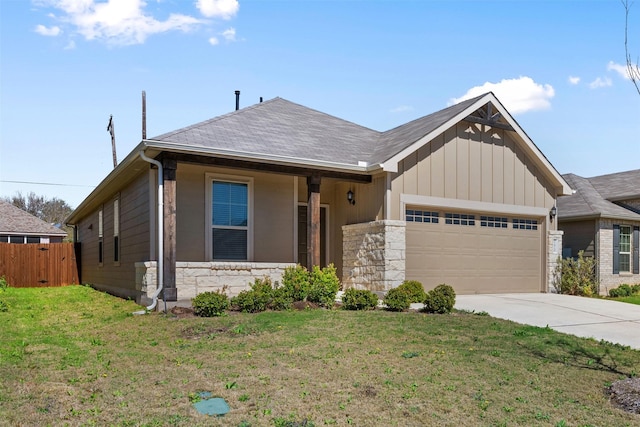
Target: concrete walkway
[612, 321]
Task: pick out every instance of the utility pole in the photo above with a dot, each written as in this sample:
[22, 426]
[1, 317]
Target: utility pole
[144, 115]
[111, 130]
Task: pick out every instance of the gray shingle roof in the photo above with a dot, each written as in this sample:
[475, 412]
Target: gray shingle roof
[618, 186]
[14, 220]
[592, 194]
[283, 128]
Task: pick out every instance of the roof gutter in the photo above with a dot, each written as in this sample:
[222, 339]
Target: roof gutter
[269, 158]
[160, 262]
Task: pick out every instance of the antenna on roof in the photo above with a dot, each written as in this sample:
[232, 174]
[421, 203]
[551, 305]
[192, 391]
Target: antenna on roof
[111, 130]
[237, 100]
[144, 115]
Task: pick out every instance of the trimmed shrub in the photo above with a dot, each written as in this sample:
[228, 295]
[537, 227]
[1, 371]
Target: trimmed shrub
[396, 300]
[263, 295]
[295, 281]
[359, 299]
[623, 290]
[323, 286]
[440, 300]
[210, 304]
[280, 300]
[256, 299]
[414, 290]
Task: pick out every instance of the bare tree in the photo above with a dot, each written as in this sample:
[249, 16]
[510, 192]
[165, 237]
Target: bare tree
[633, 69]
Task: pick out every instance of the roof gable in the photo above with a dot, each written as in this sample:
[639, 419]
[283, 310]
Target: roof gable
[14, 220]
[283, 130]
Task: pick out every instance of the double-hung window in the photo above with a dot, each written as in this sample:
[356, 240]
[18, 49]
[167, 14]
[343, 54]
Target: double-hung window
[230, 217]
[625, 249]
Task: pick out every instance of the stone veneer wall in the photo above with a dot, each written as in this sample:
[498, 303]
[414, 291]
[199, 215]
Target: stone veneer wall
[554, 254]
[604, 243]
[193, 278]
[373, 255]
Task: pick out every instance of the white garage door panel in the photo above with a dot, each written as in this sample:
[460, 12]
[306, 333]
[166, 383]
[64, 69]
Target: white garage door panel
[474, 259]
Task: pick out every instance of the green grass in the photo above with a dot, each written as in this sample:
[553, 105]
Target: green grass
[76, 356]
[633, 299]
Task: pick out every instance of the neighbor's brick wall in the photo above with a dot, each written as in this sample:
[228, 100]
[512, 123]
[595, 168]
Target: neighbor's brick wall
[193, 278]
[604, 238]
[373, 255]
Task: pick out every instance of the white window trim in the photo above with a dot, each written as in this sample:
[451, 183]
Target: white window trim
[101, 236]
[209, 178]
[116, 230]
[629, 253]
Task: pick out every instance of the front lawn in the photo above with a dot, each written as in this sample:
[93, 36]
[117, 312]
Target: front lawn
[76, 356]
[633, 299]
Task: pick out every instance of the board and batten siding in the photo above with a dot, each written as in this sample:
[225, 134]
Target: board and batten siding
[471, 162]
[117, 277]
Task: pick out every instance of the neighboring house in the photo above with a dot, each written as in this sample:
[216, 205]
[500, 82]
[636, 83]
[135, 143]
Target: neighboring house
[461, 196]
[18, 226]
[602, 219]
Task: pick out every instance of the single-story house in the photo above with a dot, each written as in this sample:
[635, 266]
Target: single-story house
[18, 226]
[603, 219]
[462, 196]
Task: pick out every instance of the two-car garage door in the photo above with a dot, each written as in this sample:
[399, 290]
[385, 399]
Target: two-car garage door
[474, 252]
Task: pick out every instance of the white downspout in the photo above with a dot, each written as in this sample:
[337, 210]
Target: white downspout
[160, 264]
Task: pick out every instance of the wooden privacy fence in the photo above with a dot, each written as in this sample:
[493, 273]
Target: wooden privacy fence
[38, 264]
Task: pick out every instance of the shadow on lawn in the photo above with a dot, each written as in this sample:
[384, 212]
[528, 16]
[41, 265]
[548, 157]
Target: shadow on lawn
[580, 353]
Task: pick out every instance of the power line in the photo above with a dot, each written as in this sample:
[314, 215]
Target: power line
[47, 183]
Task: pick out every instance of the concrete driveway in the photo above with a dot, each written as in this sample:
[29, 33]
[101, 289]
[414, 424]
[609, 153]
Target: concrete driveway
[612, 321]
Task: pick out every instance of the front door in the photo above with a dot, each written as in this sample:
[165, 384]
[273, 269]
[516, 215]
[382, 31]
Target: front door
[302, 236]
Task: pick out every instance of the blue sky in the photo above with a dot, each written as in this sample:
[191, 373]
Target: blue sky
[67, 65]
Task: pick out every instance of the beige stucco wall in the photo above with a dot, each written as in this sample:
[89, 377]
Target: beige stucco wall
[604, 239]
[273, 213]
[467, 163]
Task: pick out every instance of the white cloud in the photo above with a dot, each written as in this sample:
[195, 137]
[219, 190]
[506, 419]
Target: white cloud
[600, 82]
[517, 95]
[121, 22]
[51, 32]
[70, 46]
[622, 70]
[229, 34]
[401, 109]
[214, 41]
[225, 9]
[574, 80]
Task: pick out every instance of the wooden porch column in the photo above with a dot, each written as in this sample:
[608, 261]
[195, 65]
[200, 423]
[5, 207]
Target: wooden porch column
[313, 221]
[170, 292]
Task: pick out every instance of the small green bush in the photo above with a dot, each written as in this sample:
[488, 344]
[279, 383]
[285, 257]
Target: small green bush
[441, 299]
[359, 299]
[414, 290]
[396, 300]
[635, 289]
[295, 281]
[624, 290]
[256, 299]
[323, 286]
[210, 304]
[3, 283]
[280, 300]
[263, 295]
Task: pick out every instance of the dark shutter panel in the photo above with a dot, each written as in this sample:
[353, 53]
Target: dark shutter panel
[636, 244]
[616, 249]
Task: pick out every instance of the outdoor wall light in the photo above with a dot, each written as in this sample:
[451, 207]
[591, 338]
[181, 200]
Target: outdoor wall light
[90, 227]
[350, 198]
[553, 212]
